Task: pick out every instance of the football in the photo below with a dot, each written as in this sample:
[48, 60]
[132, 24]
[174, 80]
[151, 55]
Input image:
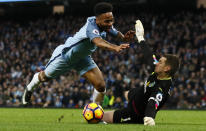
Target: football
[93, 113]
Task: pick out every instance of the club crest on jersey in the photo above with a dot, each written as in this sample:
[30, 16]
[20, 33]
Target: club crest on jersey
[95, 31]
[159, 97]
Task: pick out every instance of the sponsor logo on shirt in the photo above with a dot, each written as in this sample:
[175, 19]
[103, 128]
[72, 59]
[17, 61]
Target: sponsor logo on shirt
[125, 119]
[152, 84]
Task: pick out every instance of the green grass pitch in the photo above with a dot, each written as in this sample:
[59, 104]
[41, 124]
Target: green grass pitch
[39, 119]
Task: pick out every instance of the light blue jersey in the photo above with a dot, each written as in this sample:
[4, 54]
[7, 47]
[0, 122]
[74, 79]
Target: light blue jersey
[81, 42]
[77, 50]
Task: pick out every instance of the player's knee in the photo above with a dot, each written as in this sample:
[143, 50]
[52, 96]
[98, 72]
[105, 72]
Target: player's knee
[43, 77]
[100, 86]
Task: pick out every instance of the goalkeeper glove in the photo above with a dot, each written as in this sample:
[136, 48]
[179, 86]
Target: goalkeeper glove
[149, 121]
[139, 31]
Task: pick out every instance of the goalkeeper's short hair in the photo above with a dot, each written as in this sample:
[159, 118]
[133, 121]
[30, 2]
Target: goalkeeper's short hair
[173, 61]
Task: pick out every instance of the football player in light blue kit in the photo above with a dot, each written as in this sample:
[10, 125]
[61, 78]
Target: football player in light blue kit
[77, 50]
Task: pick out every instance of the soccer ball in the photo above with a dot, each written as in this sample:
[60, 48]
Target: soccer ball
[93, 113]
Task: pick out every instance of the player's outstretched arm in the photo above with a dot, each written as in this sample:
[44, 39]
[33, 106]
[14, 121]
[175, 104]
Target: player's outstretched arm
[101, 43]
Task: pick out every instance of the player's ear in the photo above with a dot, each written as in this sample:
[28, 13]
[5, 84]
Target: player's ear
[167, 68]
[97, 20]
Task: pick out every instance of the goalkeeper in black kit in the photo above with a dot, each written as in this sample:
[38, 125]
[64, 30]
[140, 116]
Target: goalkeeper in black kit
[144, 102]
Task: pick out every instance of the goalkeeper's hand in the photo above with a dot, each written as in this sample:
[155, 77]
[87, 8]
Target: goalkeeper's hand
[149, 121]
[139, 31]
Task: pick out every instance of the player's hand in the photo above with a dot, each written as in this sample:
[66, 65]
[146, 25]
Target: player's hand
[121, 47]
[129, 36]
[139, 31]
[149, 121]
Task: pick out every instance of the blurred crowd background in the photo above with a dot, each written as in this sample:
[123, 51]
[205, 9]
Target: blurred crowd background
[26, 46]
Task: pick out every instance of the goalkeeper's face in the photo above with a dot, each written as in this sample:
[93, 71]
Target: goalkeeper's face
[161, 67]
[105, 21]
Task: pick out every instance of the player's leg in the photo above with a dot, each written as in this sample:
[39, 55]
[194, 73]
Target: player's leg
[37, 79]
[89, 70]
[55, 67]
[95, 77]
[118, 116]
[125, 115]
[108, 116]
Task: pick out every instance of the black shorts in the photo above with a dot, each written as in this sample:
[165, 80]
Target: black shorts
[136, 92]
[126, 116]
[129, 114]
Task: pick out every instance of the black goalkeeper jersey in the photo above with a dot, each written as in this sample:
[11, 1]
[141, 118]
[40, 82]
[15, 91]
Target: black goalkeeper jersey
[148, 99]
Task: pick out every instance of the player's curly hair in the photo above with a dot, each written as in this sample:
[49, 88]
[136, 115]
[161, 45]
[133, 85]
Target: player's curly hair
[102, 7]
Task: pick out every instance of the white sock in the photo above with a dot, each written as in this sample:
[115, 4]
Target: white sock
[98, 96]
[34, 82]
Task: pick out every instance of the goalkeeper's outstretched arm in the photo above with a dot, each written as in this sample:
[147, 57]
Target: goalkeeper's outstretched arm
[147, 52]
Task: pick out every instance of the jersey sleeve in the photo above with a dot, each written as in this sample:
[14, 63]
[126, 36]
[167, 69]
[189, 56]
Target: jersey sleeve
[113, 31]
[155, 101]
[147, 55]
[92, 31]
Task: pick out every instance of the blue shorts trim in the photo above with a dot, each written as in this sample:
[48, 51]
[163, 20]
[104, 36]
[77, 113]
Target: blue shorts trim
[53, 60]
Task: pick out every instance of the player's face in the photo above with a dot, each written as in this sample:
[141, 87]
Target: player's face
[161, 66]
[105, 21]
